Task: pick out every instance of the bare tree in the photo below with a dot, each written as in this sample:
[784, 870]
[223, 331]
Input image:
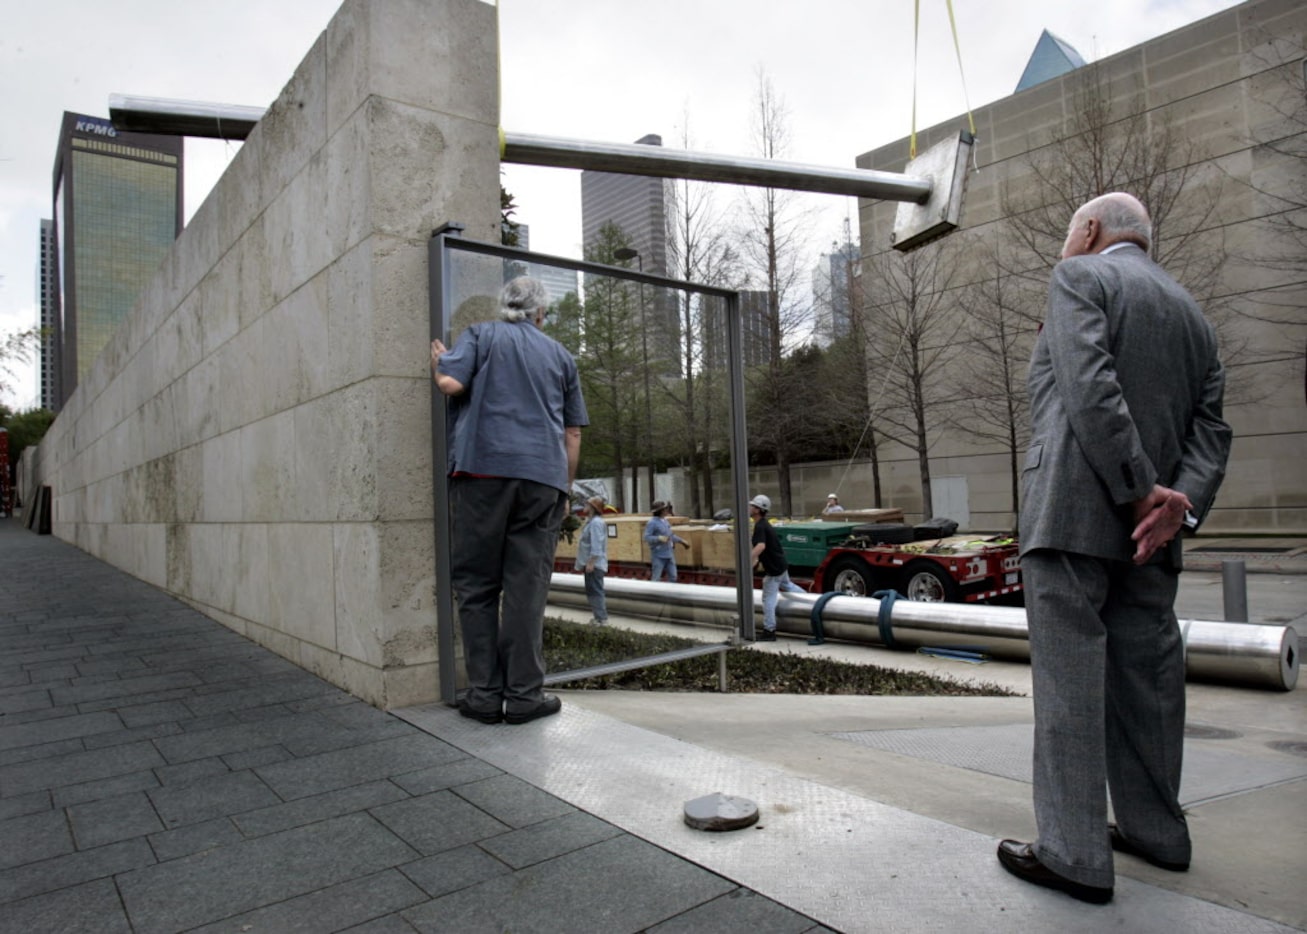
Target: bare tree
[772, 243]
[1000, 311]
[698, 250]
[1279, 146]
[609, 354]
[16, 347]
[912, 320]
[1112, 141]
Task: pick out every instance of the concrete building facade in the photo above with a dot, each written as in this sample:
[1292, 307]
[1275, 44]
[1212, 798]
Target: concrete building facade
[1230, 89]
[256, 436]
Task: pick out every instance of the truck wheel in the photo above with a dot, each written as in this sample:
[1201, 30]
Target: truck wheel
[928, 583]
[850, 576]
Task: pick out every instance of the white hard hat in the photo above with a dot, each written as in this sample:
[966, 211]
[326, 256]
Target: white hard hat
[761, 502]
[831, 496]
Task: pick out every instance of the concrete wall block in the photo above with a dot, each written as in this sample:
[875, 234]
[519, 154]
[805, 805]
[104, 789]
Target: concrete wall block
[457, 44]
[159, 427]
[336, 455]
[254, 277]
[350, 332]
[229, 396]
[385, 593]
[404, 449]
[301, 593]
[204, 553]
[239, 195]
[346, 219]
[301, 245]
[401, 313]
[371, 48]
[407, 588]
[220, 301]
[221, 491]
[267, 469]
[200, 248]
[150, 549]
[189, 477]
[295, 343]
[294, 127]
[196, 405]
[360, 623]
[253, 597]
[405, 687]
[427, 168]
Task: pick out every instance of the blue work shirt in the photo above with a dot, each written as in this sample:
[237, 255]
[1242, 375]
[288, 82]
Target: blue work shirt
[656, 528]
[593, 544]
[520, 390]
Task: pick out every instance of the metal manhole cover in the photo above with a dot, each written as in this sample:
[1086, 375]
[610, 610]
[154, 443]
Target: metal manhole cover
[1293, 747]
[1202, 731]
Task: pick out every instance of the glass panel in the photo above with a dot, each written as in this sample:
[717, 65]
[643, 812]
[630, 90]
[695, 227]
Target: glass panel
[653, 362]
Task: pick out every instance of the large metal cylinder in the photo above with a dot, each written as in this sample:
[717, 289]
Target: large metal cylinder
[1248, 654]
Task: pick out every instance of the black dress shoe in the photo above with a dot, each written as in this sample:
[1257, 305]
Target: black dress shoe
[484, 716]
[1020, 860]
[547, 707]
[1123, 845]
[765, 635]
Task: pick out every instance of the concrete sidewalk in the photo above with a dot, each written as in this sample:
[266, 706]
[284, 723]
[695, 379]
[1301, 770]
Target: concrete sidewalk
[159, 773]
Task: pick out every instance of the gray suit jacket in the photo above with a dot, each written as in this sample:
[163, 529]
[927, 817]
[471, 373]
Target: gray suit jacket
[1125, 391]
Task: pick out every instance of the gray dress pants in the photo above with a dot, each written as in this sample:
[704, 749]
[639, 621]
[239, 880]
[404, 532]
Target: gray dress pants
[1107, 669]
[503, 539]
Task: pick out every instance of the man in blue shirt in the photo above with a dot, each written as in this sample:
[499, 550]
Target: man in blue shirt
[515, 421]
[660, 538]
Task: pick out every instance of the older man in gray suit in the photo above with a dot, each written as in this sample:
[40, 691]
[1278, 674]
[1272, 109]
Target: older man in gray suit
[1127, 447]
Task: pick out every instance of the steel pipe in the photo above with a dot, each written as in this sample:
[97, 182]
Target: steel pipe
[182, 118]
[234, 122]
[1247, 654]
[637, 159]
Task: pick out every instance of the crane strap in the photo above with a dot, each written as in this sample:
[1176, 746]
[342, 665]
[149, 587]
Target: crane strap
[957, 48]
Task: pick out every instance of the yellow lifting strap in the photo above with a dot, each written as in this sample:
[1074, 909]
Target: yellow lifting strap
[957, 47]
[499, 87]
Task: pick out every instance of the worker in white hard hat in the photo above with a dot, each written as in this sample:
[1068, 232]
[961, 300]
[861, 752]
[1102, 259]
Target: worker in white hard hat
[768, 552]
[832, 503]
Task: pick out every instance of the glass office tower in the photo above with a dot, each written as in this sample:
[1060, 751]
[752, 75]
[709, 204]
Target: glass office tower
[118, 208]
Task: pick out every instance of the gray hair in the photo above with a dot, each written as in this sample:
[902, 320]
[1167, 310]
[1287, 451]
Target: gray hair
[1121, 217]
[521, 298]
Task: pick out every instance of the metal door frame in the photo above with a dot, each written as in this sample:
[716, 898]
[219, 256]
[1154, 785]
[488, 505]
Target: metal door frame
[447, 241]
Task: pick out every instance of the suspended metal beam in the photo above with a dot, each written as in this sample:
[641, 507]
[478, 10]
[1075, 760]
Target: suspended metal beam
[182, 118]
[1237, 653]
[637, 159]
[228, 121]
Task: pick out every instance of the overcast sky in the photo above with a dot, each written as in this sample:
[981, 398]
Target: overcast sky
[609, 70]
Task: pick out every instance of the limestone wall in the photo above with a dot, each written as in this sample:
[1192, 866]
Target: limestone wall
[256, 437]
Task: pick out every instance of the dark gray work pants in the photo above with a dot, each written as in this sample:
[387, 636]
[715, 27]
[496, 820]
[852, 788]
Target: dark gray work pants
[504, 535]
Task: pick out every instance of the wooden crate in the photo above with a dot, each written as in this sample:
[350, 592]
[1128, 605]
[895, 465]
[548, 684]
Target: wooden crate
[717, 549]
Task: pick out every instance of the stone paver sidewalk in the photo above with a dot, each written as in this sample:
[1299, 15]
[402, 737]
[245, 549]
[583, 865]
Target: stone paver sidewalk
[161, 773]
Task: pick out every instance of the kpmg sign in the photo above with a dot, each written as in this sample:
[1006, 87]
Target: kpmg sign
[94, 126]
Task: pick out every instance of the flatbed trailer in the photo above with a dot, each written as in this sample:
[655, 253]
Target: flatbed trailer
[951, 570]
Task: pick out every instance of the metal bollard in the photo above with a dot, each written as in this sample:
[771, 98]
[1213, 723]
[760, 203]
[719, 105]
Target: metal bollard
[1234, 588]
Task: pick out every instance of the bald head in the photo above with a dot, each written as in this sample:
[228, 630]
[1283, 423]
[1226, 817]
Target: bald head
[1111, 218]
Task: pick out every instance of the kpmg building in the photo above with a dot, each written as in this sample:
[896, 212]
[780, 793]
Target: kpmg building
[117, 211]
